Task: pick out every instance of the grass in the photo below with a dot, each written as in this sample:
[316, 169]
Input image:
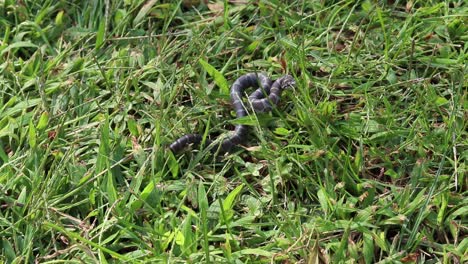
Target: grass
[363, 162]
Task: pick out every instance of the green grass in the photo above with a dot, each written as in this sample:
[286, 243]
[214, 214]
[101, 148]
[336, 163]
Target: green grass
[363, 162]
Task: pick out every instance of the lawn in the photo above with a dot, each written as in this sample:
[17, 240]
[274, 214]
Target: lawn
[362, 161]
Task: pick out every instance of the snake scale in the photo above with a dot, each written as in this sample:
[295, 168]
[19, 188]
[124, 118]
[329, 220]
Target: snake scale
[261, 100]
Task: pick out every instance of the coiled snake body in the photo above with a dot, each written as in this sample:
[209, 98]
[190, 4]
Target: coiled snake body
[257, 100]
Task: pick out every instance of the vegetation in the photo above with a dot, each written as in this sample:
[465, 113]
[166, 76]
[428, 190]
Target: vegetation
[363, 162]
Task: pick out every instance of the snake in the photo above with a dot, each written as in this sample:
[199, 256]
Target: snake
[262, 99]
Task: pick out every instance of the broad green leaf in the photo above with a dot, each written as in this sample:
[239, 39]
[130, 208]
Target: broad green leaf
[179, 238]
[59, 18]
[16, 45]
[366, 6]
[327, 108]
[9, 103]
[391, 76]
[167, 239]
[282, 131]
[92, 194]
[218, 77]
[392, 174]
[441, 101]
[133, 127]
[120, 14]
[23, 196]
[229, 202]
[143, 196]
[253, 46]
[43, 121]
[32, 139]
[442, 208]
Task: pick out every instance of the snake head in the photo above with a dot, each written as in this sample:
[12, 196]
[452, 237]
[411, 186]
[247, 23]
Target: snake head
[287, 81]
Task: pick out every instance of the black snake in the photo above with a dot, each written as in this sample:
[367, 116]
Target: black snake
[257, 100]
